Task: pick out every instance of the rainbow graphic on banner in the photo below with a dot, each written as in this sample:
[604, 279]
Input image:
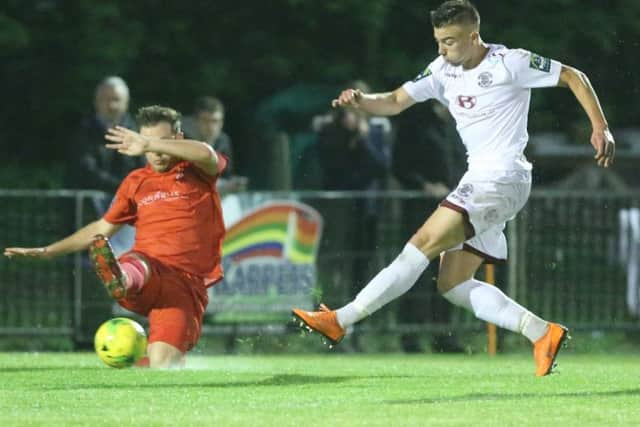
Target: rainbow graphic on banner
[281, 230]
[269, 259]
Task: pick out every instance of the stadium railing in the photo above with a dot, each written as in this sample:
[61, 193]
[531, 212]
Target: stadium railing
[573, 258]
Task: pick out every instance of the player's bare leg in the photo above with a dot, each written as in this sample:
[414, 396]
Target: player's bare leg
[445, 228]
[489, 303]
[456, 267]
[163, 355]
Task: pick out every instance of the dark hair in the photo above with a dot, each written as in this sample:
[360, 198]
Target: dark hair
[154, 114]
[208, 104]
[455, 12]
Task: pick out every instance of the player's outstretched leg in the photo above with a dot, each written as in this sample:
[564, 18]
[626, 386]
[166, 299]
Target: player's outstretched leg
[107, 267]
[444, 229]
[391, 282]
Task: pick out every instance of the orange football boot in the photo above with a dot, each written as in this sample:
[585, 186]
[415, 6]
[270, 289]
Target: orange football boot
[546, 348]
[107, 267]
[324, 322]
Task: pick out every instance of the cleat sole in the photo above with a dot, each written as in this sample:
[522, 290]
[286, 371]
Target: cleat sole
[106, 267]
[562, 344]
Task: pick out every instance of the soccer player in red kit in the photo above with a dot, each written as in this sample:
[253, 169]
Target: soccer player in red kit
[174, 205]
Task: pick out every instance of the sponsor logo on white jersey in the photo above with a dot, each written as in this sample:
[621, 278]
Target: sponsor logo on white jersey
[467, 102]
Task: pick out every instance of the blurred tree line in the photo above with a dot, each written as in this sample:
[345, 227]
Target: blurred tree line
[53, 53]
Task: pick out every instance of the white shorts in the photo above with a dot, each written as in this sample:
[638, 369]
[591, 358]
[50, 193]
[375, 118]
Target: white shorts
[488, 199]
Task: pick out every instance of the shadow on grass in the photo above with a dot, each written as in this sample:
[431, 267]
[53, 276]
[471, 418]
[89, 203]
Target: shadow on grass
[273, 381]
[14, 369]
[478, 397]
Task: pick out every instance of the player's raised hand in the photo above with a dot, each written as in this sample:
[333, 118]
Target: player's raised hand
[27, 252]
[126, 141]
[605, 146]
[348, 98]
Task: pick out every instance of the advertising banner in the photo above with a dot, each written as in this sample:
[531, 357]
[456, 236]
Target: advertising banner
[269, 261]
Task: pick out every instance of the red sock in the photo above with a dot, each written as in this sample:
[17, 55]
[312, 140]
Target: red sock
[134, 271]
[142, 363]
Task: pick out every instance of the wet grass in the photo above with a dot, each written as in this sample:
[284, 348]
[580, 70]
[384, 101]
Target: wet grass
[68, 389]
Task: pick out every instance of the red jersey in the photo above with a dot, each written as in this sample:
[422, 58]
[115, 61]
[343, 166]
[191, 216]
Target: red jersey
[177, 215]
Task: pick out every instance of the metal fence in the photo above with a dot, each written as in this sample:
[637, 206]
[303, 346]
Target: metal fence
[52, 297]
[576, 256]
[571, 259]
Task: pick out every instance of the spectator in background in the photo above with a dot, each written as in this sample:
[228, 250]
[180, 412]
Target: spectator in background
[354, 148]
[95, 167]
[428, 157]
[355, 155]
[206, 125]
[92, 165]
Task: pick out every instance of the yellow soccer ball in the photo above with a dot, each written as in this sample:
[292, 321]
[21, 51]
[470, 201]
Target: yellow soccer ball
[120, 342]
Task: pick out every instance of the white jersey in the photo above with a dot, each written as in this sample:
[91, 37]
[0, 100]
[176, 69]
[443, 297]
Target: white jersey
[490, 102]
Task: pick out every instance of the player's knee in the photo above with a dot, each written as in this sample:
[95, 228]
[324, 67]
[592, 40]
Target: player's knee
[432, 242]
[427, 242]
[163, 355]
[165, 361]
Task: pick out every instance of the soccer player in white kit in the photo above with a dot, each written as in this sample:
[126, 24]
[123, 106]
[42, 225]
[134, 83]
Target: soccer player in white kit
[487, 88]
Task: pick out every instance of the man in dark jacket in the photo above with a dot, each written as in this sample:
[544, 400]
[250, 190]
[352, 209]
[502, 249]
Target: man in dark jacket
[92, 166]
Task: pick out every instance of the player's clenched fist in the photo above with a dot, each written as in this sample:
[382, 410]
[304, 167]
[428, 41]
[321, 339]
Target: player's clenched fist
[348, 98]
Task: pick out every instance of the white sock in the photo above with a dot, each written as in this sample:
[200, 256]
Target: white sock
[391, 282]
[533, 327]
[490, 304]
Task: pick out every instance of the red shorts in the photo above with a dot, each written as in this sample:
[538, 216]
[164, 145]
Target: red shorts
[174, 302]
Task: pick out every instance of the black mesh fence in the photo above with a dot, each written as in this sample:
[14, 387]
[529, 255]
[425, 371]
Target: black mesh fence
[572, 259]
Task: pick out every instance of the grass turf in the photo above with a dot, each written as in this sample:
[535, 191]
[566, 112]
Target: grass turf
[343, 390]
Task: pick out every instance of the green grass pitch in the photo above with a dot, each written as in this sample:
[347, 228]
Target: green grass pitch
[70, 389]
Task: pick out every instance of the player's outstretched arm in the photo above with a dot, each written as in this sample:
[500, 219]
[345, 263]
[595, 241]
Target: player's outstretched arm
[131, 143]
[601, 137]
[377, 104]
[79, 240]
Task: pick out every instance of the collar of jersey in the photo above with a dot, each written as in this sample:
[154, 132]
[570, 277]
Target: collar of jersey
[177, 168]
